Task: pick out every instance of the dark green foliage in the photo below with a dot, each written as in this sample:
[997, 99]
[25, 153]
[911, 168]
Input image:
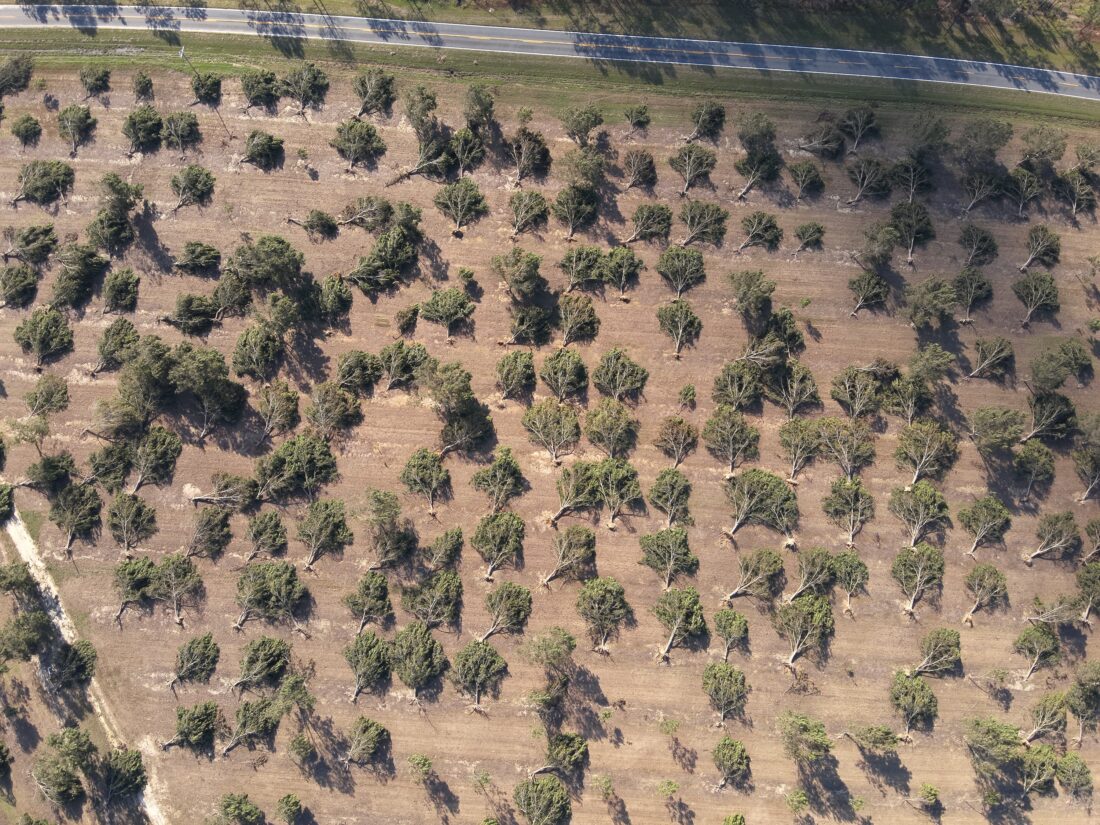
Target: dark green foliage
[199, 259]
[435, 601]
[211, 533]
[263, 150]
[238, 809]
[142, 127]
[498, 539]
[416, 657]
[805, 740]
[763, 498]
[15, 75]
[681, 614]
[44, 181]
[619, 377]
[708, 118]
[260, 88]
[667, 553]
[369, 660]
[207, 88]
[72, 665]
[501, 481]
[603, 606]
[270, 591]
[202, 375]
[358, 142]
[75, 510]
[96, 80]
[575, 207]
[120, 291]
[32, 244]
[478, 668]
[391, 256]
[76, 124]
[51, 472]
[192, 185]
[447, 307]
[530, 153]
[376, 91]
[80, 267]
[196, 726]
[181, 131]
[25, 635]
[18, 285]
[726, 688]
[564, 373]
[121, 775]
[264, 661]
[681, 268]
[307, 85]
[515, 374]
[196, 660]
[300, 465]
[111, 228]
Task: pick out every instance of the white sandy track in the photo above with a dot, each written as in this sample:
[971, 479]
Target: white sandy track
[29, 552]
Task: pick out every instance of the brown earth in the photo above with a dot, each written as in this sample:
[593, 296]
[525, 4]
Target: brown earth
[628, 693]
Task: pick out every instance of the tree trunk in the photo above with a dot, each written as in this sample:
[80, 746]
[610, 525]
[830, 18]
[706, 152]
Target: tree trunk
[911, 607]
[663, 655]
[1034, 666]
[1088, 492]
[494, 628]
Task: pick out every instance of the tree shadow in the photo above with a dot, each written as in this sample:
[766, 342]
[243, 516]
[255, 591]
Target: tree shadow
[443, 799]
[826, 791]
[885, 770]
[148, 241]
[616, 810]
[679, 811]
[684, 756]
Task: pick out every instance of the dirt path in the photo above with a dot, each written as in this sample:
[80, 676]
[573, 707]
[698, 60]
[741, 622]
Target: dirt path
[51, 600]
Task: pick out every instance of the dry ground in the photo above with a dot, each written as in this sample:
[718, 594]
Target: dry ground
[629, 693]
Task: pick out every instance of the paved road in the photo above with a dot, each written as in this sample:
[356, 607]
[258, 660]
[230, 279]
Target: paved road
[285, 27]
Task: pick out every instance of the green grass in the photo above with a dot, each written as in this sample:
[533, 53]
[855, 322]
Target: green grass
[33, 520]
[545, 82]
[884, 25]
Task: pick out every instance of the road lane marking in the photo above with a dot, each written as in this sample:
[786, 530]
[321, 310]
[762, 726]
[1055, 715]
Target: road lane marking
[395, 34]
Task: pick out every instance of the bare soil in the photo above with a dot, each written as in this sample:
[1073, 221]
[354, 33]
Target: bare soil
[625, 695]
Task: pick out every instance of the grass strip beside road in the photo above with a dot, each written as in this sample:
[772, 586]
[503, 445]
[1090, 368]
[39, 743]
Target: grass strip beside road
[1034, 39]
[543, 81]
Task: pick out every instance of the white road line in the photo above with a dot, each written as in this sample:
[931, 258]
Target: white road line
[553, 43]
